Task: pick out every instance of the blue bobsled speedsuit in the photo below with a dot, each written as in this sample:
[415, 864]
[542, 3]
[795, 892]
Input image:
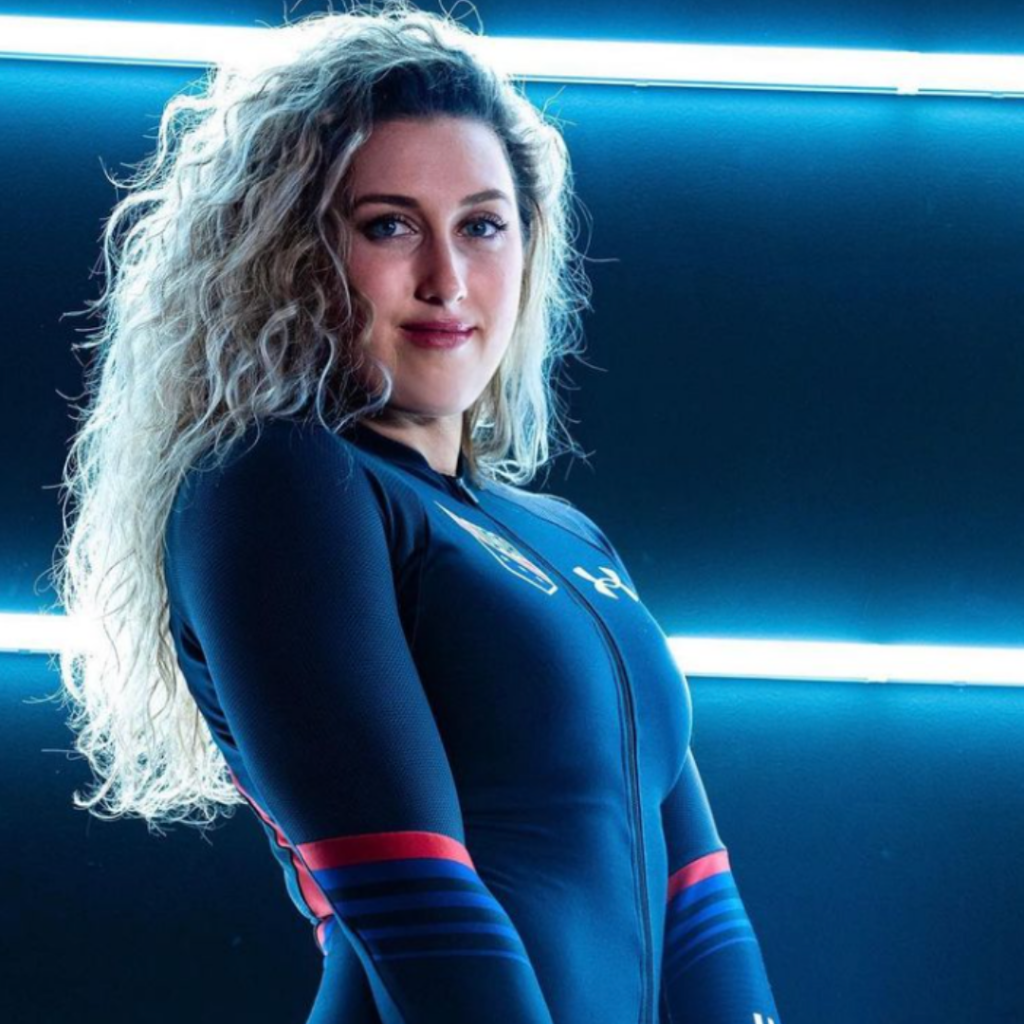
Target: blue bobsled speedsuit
[465, 736]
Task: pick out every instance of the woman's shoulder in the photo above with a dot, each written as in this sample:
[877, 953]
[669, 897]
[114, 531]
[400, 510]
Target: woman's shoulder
[277, 438]
[274, 456]
[556, 509]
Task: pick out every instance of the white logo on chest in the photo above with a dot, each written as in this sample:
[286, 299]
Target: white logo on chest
[608, 583]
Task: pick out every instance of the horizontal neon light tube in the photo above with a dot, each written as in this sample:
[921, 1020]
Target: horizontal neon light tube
[850, 662]
[553, 60]
[721, 657]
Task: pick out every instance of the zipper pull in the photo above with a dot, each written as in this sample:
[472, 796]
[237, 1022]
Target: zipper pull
[464, 488]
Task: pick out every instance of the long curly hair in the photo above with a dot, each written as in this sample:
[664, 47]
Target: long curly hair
[226, 303]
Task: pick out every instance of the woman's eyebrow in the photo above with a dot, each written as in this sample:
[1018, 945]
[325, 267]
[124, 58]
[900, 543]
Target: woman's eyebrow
[408, 201]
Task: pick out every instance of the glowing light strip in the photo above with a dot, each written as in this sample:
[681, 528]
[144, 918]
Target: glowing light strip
[552, 60]
[721, 657]
[34, 634]
[851, 662]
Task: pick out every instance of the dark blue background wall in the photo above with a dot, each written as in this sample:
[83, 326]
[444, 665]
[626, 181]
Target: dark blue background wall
[805, 416]
[805, 421]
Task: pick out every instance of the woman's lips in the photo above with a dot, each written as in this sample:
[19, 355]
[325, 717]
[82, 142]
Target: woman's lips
[436, 338]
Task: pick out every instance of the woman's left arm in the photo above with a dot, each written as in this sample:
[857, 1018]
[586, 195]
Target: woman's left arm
[712, 969]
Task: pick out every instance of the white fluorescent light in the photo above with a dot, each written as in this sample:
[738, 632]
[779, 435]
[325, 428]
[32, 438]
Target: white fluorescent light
[760, 67]
[552, 60]
[108, 41]
[721, 657]
[855, 662]
[33, 634]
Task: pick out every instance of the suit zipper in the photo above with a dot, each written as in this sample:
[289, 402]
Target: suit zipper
[460, 489]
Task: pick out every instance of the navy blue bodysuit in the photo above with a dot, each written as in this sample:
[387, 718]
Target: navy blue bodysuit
[465, 737]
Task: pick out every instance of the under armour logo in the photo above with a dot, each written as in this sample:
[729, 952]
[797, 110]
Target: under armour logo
[606, 584]
[758, 1019]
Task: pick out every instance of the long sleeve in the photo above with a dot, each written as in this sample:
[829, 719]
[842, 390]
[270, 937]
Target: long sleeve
[712, 968]
[283, 565]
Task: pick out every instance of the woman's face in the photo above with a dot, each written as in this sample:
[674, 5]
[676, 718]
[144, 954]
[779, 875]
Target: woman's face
[424, 254]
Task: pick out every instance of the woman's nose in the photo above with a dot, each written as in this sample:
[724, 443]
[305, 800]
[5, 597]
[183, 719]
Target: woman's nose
[442, 275]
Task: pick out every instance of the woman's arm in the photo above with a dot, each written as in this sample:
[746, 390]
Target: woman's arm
[712, 969]
[282, 563]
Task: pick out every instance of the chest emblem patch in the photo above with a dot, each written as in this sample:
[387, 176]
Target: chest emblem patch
[507, 556]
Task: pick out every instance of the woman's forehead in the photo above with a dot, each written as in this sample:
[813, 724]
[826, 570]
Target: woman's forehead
[433, 151]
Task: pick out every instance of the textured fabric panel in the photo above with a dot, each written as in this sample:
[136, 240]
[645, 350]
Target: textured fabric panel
[283, 564]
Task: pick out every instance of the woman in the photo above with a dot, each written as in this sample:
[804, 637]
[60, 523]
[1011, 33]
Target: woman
[327, 375]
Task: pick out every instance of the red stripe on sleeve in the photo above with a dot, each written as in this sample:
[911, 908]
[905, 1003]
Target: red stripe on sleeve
[376, 846]
[697, 870]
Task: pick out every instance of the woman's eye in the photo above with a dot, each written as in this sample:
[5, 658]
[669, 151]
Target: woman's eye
[371, 228]
[494, 222]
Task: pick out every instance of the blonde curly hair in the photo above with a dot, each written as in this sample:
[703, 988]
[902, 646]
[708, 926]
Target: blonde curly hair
[227, 302]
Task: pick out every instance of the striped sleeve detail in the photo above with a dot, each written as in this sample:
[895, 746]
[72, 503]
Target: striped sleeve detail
[704, 913]
[411, 895]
